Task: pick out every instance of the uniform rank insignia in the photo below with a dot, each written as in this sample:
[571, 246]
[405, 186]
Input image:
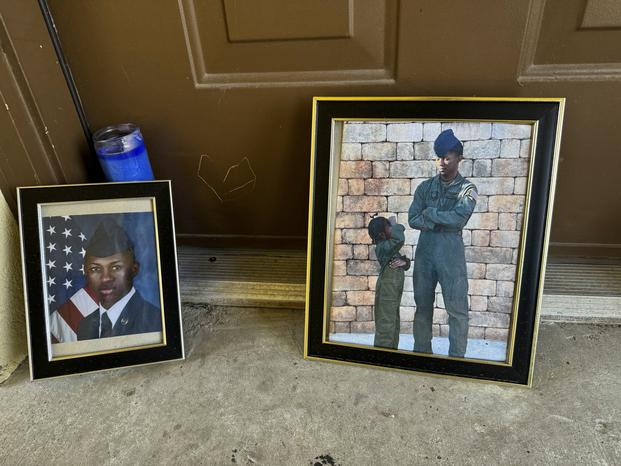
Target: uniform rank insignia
[472, 194]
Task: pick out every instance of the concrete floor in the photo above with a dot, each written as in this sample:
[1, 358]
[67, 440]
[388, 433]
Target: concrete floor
[245, 396]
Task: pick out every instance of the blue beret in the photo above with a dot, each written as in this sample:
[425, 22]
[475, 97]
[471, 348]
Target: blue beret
[447, 142]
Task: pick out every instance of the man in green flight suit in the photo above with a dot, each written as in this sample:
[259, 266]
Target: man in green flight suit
[441, 207]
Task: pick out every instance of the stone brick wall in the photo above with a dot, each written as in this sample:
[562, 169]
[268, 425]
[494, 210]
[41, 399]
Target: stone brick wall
[381, 165]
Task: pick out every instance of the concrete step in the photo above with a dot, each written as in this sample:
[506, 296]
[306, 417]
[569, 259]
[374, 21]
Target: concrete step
[574, 291]
[576, 308]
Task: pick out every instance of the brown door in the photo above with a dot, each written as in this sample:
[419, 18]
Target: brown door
[222, 91]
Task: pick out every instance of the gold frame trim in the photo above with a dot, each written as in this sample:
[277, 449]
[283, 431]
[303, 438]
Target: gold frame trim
[523, 234]
[440, 98]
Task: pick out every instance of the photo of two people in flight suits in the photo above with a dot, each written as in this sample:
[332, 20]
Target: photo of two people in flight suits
[441, 207]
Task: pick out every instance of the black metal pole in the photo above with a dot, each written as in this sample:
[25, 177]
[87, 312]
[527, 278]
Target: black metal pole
[64, 66]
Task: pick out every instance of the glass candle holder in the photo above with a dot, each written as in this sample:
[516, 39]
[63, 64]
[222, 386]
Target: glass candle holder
[122, 153]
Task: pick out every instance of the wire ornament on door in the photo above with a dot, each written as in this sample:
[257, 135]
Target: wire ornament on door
[238, 181]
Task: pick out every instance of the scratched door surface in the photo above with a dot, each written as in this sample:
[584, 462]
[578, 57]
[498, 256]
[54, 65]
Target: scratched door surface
[222, 90]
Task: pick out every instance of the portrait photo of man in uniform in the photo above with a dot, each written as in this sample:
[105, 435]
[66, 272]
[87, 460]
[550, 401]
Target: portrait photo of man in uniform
[460, 189]
[102, 277]
[110, 267]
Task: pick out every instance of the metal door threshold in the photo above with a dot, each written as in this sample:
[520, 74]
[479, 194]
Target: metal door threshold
[243, 277]
[579, 291]
[587, 290]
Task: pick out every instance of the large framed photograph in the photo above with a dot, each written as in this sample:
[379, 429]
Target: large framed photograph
[428, 232]
[100, 276]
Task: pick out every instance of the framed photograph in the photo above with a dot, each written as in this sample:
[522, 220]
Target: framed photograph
[100, 276]
[428, 232]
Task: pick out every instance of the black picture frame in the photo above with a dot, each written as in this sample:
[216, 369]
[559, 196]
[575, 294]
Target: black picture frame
[143, 210]
[544, 115]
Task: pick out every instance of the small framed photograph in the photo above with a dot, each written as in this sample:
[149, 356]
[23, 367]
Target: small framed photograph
[100, 276]
[428, 232]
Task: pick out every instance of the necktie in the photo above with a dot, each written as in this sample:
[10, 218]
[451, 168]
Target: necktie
[106, 326]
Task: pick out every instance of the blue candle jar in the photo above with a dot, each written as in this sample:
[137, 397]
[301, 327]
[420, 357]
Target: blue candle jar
[122, 153]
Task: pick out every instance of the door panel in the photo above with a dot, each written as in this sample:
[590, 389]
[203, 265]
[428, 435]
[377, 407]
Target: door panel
[572, 31]
[234, 43]
[287, 20]
[599, 14]
[222, 91]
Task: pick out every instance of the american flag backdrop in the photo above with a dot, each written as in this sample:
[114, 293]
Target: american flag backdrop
[64, 242]
[68, 302]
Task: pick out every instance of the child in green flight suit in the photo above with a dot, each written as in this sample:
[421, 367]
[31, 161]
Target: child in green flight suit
[388, 237]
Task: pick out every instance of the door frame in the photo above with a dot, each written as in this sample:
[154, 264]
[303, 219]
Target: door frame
[42, 115]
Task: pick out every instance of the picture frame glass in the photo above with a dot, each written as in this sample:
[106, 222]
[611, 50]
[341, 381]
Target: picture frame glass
[77, 281]
[377, 167]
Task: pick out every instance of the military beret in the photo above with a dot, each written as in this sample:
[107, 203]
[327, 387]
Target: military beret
[447, 142]
[109, 239]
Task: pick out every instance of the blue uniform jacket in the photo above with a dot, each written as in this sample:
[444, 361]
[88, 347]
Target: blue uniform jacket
[138, 316]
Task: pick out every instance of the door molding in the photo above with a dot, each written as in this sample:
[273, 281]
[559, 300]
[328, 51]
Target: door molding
[531, 72]
[38, 119]
[197, 26]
